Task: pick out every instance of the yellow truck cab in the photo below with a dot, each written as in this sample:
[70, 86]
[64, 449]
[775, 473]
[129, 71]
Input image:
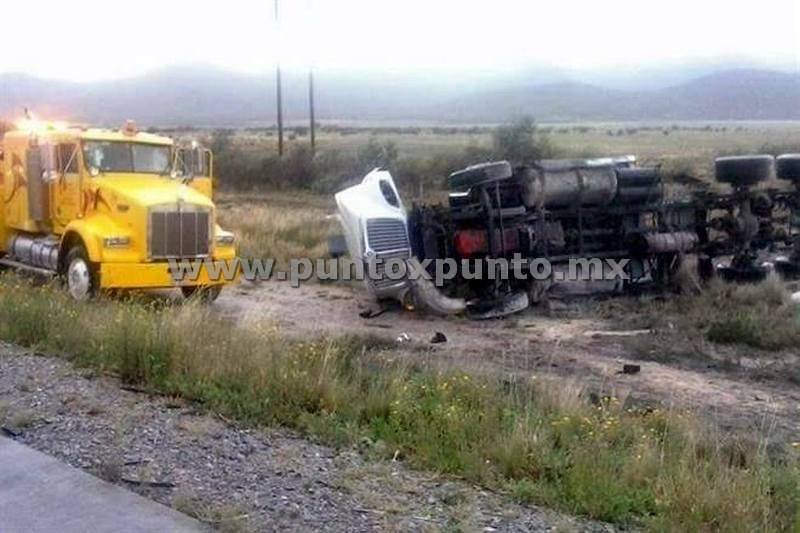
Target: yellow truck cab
[109, 209]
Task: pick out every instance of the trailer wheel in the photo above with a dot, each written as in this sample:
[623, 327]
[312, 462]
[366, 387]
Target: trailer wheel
[80, 275]
[204, 294]
[745, 170]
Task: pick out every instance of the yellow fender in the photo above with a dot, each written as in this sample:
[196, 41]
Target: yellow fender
[90, 231]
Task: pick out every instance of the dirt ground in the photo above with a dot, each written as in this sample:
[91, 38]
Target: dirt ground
[575, 343]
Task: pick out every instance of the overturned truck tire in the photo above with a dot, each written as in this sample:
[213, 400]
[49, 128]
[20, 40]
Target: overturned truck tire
[788, 167]
[479, 174]
[744, 170]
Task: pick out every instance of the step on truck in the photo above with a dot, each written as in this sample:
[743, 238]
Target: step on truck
[109, 209]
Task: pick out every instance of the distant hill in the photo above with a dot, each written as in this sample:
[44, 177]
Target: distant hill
[728, 95]
[205, 96]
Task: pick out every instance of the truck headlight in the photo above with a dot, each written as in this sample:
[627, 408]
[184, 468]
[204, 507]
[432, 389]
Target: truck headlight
[116, 242]
[225, 239]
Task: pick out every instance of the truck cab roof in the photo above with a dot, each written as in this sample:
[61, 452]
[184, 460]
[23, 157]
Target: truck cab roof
[61, 131]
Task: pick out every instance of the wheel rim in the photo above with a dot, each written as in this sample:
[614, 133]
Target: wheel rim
[78, 279]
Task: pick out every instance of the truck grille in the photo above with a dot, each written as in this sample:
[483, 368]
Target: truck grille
[386, 234]
[178, 234]
[388, 238]
[383, 282]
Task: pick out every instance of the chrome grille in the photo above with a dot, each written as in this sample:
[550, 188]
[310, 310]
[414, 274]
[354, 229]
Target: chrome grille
[178, 234]
[381, 281]
[386, 234]
[388, 238]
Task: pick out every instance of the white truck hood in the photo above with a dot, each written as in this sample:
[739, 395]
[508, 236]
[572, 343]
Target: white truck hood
[375, 199]
[368, 200]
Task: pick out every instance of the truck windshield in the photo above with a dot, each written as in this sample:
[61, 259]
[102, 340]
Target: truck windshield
[115, 156]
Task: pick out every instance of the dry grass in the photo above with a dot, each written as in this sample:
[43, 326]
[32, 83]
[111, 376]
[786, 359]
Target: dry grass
[223, 518]
[660, 469]
[759, 315]
[281, 226]
[22, 419]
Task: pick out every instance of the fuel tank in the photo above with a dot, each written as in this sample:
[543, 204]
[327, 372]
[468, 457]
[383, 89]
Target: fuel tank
[40, 252]
[567, 183]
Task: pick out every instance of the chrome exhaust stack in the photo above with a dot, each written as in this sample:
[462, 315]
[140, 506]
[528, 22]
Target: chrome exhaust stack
[427, 296]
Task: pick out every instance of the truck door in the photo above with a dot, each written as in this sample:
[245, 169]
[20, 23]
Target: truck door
[67, 185]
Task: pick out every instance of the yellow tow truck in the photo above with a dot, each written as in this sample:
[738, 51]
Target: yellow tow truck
[109, 209]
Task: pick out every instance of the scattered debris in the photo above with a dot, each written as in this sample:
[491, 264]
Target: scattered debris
[153, 484]
[631, 369]
[9, 432]
[403, 338]
[372, 313]
[621, 333]
[438, 338]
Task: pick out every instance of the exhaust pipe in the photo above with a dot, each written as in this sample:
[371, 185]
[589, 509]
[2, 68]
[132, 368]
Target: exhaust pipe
[429, 297]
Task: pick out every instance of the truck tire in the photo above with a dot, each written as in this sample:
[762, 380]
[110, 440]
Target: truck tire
[479, 174]
[80, 275]
[204, 294]
[788, 167]
[745, 170]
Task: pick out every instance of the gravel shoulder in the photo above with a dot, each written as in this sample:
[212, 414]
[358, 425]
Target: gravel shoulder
[236, 479]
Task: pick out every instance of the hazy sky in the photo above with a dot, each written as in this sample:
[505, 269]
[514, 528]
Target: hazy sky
[100, 39]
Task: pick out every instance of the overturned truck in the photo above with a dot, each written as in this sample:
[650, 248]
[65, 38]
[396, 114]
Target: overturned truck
[558, 218]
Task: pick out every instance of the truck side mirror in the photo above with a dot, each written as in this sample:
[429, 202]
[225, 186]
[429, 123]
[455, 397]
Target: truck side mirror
[179, 163]
[198, 162]
[208, 163]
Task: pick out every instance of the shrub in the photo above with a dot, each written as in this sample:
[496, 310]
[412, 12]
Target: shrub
[738, 328]
[520, 143]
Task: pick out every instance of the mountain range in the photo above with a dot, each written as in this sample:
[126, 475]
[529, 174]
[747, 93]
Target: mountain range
[209, 96]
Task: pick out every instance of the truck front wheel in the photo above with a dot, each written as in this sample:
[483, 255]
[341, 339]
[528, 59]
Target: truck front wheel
[80, 275]
[204, 294]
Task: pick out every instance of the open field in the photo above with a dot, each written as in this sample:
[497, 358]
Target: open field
[680, 147]
[280, 226]
[646, 139]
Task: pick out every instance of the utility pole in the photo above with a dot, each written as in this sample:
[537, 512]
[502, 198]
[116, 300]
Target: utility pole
[312, 130]
[278, 89]
[311, 109]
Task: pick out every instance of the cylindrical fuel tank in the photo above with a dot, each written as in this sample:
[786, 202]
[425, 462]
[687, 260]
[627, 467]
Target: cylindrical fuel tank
[560, 184]
[659, 243]
[41, 252]
[638, 185]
